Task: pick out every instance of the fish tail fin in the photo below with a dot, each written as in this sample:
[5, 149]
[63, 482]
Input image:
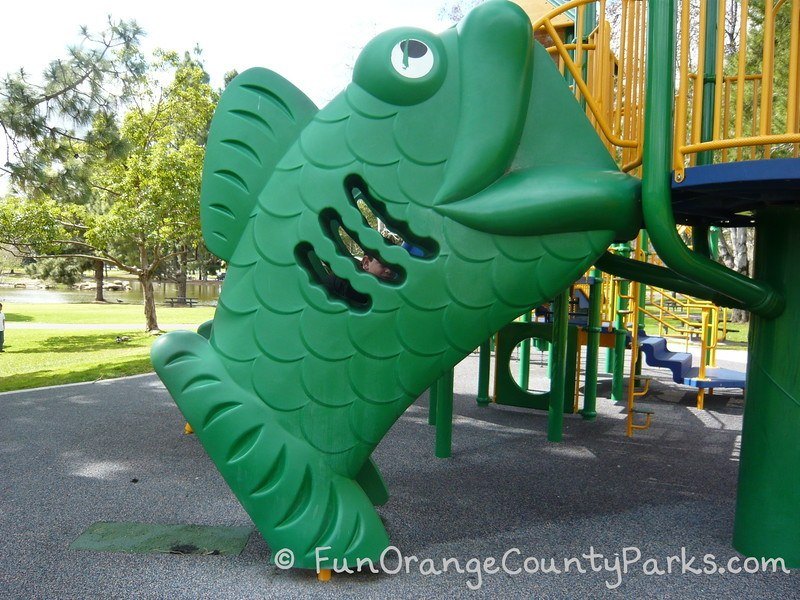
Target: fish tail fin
[371, 481]
[286, 486]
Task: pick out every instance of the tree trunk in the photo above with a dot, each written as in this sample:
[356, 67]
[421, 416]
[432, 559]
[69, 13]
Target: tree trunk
[181, 275]
[99, 280]
[740, 260]
[741, 264]
[149, 303]
[725, 254]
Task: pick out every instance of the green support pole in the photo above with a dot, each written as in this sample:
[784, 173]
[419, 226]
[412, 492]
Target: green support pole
[525, 357]
[709, 82]
[589, 411]
[700, 240]
[620, 331]
[444, 415]
[618, 376]
[713, 241]
[433, 400]
[656, 179]
[709, 338]
[609, 365]
[768, 500]
[569, 38]
[550, 356]
[661, 277]
[484, 359]
[589, 24]
[555, 413]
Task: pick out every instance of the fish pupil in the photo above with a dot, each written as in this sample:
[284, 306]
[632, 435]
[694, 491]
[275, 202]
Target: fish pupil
[413, 48]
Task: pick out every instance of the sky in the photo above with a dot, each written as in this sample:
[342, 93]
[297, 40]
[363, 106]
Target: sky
[311, 43]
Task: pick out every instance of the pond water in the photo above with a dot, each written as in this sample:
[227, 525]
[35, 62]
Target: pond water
[206, 292]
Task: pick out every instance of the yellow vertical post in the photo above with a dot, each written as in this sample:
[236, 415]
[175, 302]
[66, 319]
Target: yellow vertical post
[697, 99]
[728, 111]
[641, 74]
[621, 100]
[600, 60]
[703, 349]
[680, 108]
[794, 64]
[768, 60]
[626, 107]
[754, 128]
[740, 76]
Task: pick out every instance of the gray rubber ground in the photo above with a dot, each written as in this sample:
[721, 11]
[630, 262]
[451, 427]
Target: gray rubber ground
[70, 456]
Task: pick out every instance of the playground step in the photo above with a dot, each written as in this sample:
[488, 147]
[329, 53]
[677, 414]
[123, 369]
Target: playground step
[658, 355]
[715, 377]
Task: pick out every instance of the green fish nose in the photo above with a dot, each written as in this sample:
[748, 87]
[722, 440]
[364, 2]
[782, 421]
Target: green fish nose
[495, 61]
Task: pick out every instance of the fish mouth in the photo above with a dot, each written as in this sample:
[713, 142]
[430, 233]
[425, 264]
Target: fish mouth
[495, 53]
[357, 239]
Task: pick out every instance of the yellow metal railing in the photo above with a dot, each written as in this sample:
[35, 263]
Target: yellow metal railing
[749, 81]
[607, 68]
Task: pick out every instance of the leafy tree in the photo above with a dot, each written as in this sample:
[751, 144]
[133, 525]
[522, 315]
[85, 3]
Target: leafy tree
[153, 189]
[42, 119]
[148, 194]
[68, 272]
[56, 125]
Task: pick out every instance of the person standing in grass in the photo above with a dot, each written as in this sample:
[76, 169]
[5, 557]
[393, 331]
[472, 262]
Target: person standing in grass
[2, 328]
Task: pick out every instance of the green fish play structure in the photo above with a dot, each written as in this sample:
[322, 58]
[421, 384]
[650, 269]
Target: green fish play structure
[452, 141]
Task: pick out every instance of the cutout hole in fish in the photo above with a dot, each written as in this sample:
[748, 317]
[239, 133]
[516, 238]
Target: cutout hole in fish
[373, 209]
[333, 227]
[337, 288]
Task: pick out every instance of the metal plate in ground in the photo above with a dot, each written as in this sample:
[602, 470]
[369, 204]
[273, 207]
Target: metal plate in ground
[171, 539]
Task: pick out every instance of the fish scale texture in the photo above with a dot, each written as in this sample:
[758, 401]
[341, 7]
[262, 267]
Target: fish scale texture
[342, 369]
[296, 387]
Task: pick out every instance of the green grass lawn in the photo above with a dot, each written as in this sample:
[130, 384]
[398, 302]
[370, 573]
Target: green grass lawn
[81, 314]
[41, 357]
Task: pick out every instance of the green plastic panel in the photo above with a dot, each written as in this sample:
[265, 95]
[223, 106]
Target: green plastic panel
[298, 383]
[768, 499]
[507, 391]
[172, 539]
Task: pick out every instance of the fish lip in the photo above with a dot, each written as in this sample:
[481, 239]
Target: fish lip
[495, 50]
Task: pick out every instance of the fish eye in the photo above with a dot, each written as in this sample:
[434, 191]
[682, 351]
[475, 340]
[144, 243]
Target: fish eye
[412, 58]
[402, 67]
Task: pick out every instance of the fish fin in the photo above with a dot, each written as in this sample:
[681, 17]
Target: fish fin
[371, 481]
[206, 328]
[557, 130]
[286, 486]
[259, 116]
[548, 200]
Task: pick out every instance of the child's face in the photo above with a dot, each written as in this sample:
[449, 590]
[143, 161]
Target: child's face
[376, 267]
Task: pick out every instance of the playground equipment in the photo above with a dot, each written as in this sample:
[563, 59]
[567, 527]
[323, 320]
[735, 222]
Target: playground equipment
[729, 165]
[296, 386]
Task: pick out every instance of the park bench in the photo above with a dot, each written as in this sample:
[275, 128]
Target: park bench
[179, 301]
